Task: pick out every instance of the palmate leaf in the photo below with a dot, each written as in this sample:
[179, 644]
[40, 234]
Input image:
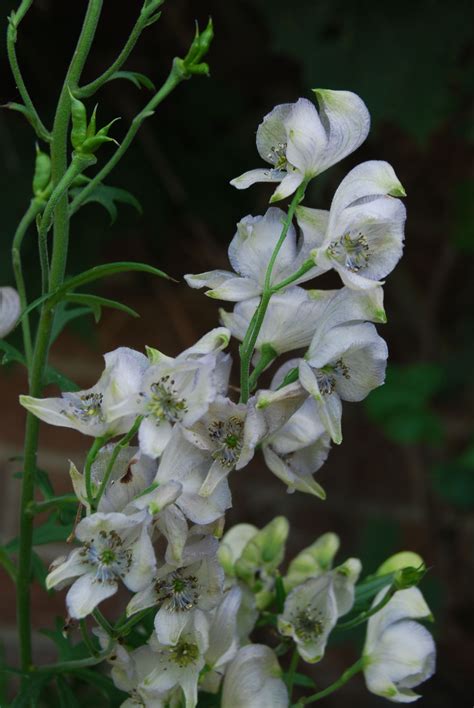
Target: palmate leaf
[138, 79]
[108, 197]
[64, 315]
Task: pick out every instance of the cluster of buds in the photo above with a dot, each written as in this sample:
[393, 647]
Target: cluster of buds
[155, 510]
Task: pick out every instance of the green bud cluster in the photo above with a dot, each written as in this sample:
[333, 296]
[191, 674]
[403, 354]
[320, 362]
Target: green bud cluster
[85, 137]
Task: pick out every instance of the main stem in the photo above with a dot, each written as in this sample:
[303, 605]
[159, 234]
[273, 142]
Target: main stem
[343, 679]
[59, 147]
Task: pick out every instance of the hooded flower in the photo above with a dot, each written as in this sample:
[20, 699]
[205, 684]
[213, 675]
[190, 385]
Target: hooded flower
[90, 411]
[177, 390]
[114, 547]
[345, 363]
[299, 143]
[365, 231]
[229, 432]
[250, 252]
[298, 449]
[253, 680]
[10, 309]
[197, 584]
[180, 664]
[399, 653]
[189, 465]
[313, 608]
[293, 316]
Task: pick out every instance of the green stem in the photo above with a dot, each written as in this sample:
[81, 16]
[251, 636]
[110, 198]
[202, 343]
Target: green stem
[63, 667]
[123, 442]
[90, 459]
[290, 679]
[267, 355]
[146, 12]
[35, 507]
[35, 208]
[123, 628]
[176, 75]
[59, 146]
[87, 639]
[363, 616]
[103, 622]
[307, 265]
[78, 165]
[251, 336]
[13, 24]
[8, 564]
[346, 676]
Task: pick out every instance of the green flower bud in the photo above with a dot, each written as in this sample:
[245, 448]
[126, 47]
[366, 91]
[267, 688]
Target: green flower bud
[312, 561]
[403, 559]
[42, 174]
[264, 551]
[79, 122]
[408, 577]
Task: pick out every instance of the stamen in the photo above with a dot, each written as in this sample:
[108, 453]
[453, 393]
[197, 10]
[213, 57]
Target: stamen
[351, 251]
[164, 402]
[308, 624]
[178, 592]
[277, 156]
[87, 408]
[227, 436]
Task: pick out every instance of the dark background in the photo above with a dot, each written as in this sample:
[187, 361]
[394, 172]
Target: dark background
[404, 475]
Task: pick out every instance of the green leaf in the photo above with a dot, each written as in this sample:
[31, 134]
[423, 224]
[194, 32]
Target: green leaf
[49, 532]
[53, 376]
[29, 694]
[107, 197]
[67, 651]
[302, 680]
[136, 78]
[10, 353]
[67, 697]
[39, 570]
[368, 588]
[96, 303]
[64, 315]
[43, 482]
[280, 594]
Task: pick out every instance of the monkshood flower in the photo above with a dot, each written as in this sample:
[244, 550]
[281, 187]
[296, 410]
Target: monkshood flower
[130, 475]
[298, 449]
[197, 584]
[345, 363]
[224, 639]
[184, 462]
[89, 411]
[177, 390]
[293, 316]
[229, 433]
[10, 309]
[250, 252]
[130, 672]
[365, 231]
[253, 680]
[180, 664]
[300, 144]
[114, 547]
[312, 609]
[399, 653]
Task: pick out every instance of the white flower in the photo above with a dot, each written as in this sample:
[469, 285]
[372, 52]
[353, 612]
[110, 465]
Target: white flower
[229, 432]
[250, 252]
[298, 449]
[197, 584]
[232, 545]
[181, 663]
[399, 653]
[10, 309]
[130, 673]
[313, 608]
[293, 316]
[115, 547]
[253, 680]
[89, 411]
[189, 465]
[300, 144]
[346, 363]
[365, 232]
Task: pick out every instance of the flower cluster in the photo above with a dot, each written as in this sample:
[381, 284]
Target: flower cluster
[154, 510]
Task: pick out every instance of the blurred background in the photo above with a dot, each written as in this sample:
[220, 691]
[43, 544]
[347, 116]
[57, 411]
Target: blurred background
[404, 476]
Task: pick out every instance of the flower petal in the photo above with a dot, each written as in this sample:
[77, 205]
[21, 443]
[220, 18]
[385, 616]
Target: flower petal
[10, 309]
[307, 139]
[86, 593]
[260, 175]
